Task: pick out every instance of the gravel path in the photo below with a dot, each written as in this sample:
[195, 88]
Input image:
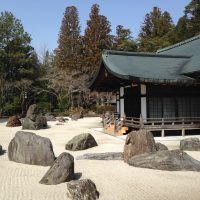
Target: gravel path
[115, 180]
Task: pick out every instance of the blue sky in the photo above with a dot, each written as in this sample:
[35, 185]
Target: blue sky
[42, 18]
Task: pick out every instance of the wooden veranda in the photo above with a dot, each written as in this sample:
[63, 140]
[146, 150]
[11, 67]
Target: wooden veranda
[115, 125]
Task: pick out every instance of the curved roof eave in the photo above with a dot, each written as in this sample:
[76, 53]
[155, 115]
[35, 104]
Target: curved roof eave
[142, 79]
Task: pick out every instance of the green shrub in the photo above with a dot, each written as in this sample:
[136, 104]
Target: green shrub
[63, 102]
[13, 107]
[44, 106]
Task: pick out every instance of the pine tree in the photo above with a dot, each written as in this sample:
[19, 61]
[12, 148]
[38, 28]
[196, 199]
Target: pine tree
[96, 39]
[123, 40]
[69, 43]
[15, 49]
[18, 61]
[192, 11]
[155, 31]
[181, 31]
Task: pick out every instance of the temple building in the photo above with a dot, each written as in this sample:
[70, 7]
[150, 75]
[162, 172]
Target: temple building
[163, 85]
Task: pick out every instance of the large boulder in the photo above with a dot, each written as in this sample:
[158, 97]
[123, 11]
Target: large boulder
[29, 148]
[161, 147]
[13, 122]
[190, 144]
[81, 142]
[139, 142]
[84, 189]
[34, 119]
[174, 160]
[61, 171]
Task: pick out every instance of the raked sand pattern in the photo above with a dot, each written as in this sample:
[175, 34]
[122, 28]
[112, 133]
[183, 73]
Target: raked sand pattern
[115, 180]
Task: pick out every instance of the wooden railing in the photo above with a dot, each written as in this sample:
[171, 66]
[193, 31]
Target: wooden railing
[167, 123]
[153, 124]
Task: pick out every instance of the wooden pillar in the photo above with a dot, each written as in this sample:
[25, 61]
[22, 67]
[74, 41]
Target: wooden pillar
[143, 101]
[121, 96]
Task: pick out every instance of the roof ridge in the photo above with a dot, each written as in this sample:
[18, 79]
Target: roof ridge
[178, 44]
[144, 54]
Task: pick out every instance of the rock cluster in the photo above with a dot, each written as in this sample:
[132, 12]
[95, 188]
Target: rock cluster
[13, 122]
[29, 148]
[34, 119]
[140, 150]
[81, 142]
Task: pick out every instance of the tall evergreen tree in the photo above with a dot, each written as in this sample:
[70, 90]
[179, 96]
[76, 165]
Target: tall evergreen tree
[69, 43]
[155, 31]
[123, 40]
[15, 49]
[181, 31]
[192, 11]
[18, 61]
[97, 37]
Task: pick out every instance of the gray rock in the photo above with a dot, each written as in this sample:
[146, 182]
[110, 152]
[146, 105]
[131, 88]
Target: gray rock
[190, 144]
[161, 147]
[40, 123]
[33, 112]
[138, 142]
[101, 156]
[61, 171]
[81, 142]
[29, 148]
[82, 190]
[34, 119]
[174, 160]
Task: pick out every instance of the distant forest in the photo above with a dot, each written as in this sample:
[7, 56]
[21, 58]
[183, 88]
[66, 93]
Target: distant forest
[52, 80]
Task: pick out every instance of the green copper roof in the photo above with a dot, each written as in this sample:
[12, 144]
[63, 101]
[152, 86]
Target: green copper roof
[146, 67]
[190, 47]
[179, 63]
